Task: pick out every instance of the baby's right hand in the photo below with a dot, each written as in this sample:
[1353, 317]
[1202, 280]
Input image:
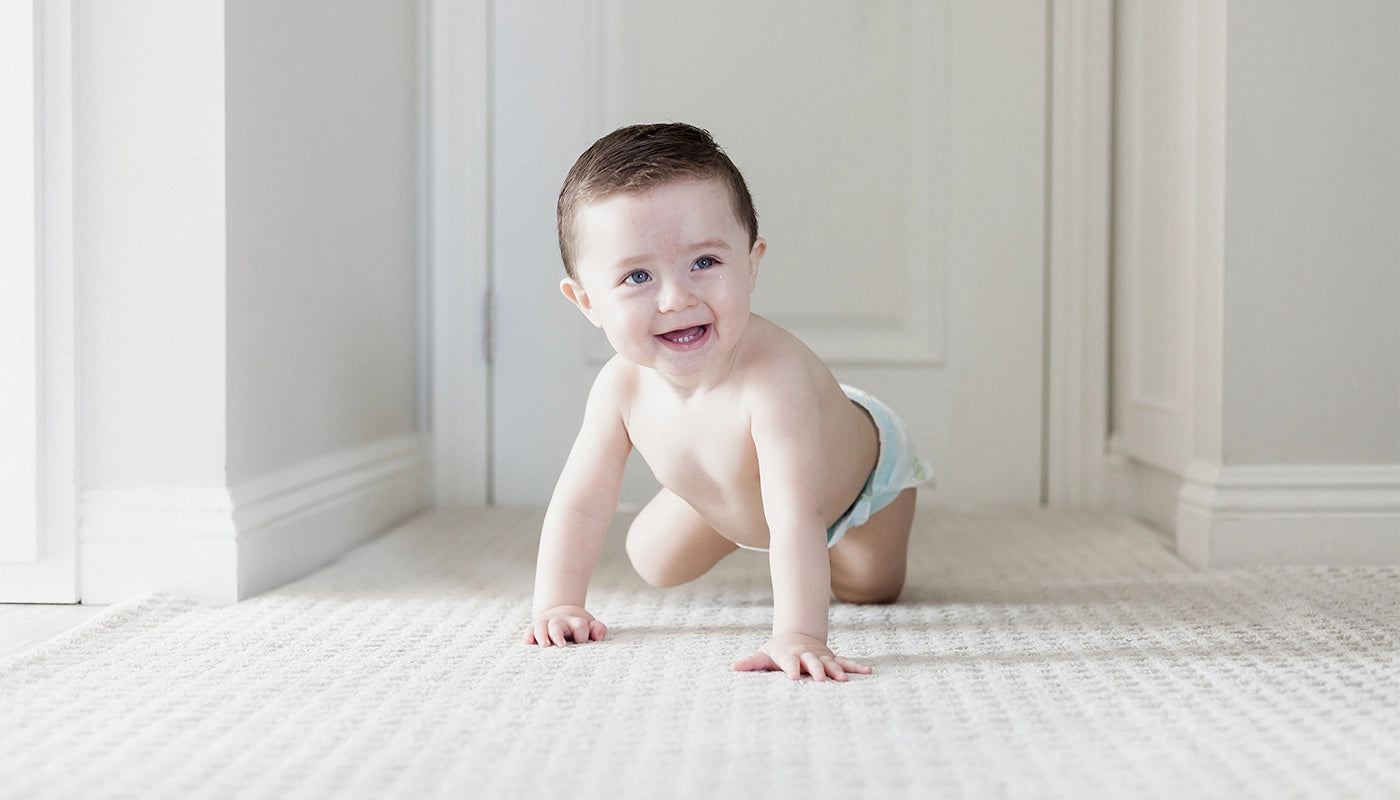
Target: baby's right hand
[562, 624]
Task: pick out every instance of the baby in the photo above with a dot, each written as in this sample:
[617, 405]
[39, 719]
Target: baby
[754, 442]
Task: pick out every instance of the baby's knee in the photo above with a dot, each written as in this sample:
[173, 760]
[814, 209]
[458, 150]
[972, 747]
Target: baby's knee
[655, 576]
[650, 565]
[869, 594]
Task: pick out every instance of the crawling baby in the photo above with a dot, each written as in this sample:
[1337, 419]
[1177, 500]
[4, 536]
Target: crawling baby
[755, 443]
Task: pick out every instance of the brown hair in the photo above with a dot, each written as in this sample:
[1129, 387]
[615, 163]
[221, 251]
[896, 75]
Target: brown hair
[639, 157]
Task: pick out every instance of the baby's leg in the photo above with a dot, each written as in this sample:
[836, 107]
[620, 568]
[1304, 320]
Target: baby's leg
[670, 544]
[868, 563]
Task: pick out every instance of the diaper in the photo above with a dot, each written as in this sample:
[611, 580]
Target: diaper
[897, 468]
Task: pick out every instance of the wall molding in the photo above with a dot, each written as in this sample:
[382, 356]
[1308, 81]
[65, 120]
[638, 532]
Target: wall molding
[1309, 514]
[177, 540]
[222, 545]
[271, 500]
[291, 522]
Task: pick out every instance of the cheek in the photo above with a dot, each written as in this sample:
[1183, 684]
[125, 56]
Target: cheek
[639, 315]
[631, 320]
[735, 293]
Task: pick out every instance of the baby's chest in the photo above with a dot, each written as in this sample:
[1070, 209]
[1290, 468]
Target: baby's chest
[708, 458]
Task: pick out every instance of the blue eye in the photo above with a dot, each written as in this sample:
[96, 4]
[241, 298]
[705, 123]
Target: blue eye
[704, 262]
[638, 277]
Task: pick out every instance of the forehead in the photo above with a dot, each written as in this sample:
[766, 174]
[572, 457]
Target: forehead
[662, 217]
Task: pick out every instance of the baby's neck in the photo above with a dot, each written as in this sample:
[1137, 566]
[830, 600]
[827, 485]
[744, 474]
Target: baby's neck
[721, 373]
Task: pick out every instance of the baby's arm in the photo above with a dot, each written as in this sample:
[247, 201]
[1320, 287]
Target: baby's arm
[786, 428]
[582, 507]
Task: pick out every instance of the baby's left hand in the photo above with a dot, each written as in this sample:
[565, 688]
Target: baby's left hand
[795, 653]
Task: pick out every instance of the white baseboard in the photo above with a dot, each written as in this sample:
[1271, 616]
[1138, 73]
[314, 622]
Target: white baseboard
[1287, 514]
[220, 546]
[177, 540]
[1141, 490]
[292, 522]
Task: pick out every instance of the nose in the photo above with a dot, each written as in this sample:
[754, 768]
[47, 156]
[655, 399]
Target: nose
[676, 295]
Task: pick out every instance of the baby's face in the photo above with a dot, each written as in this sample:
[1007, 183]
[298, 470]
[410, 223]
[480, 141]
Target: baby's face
[667, 275]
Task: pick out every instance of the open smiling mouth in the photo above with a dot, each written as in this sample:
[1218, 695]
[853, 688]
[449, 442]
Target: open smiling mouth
[686, 338]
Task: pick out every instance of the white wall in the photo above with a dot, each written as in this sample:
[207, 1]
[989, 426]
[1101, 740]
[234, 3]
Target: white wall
[322, 105]
[38, 503]
[321, 168]
[150, 174]
[1312, 241]
[246, 269]
[149, 277]
[1257, 278]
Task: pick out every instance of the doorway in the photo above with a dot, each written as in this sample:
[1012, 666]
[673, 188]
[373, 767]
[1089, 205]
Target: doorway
[896, 152]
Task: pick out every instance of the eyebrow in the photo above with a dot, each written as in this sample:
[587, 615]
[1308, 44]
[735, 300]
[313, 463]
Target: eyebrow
[646, 258]
[710, 244]
[632, 261]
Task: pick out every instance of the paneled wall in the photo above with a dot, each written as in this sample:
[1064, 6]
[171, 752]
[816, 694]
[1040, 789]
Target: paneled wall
[230, 331]
[1256, 369]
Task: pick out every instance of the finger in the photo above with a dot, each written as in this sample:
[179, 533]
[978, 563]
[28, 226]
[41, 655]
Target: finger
[556, 633]
[833, 668]
[792, 665]
[578, 628]
[542, 633]
[597, 630]
[852, 666]
[530, 634]
[758, 662]
[814, 667]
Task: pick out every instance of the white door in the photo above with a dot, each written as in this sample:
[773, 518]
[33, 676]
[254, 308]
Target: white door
[38, 538]
[896, 153]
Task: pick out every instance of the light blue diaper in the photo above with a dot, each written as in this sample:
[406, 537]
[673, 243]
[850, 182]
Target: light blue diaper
[897, 468]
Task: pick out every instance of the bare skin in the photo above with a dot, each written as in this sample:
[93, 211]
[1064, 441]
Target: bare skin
[747, 430]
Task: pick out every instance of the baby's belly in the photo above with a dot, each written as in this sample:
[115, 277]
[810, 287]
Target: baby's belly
[734, 516]
[736, 512]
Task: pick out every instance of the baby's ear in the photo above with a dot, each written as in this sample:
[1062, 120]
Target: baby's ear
[755, 256]
[574, 292]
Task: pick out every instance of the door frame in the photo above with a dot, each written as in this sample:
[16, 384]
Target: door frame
[44, 568]
[455, 255]
[1078, 254]
[455, 263]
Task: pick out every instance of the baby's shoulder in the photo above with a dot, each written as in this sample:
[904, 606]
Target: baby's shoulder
[615, 384]
[778, 354]
[781, 368]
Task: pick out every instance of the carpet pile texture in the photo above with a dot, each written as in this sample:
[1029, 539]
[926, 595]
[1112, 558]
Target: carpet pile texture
[1034, 654]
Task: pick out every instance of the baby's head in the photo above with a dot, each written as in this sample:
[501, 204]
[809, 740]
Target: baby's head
[640, 157]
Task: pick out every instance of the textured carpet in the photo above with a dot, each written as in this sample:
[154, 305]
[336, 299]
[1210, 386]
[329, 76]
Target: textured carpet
[1035, 654]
